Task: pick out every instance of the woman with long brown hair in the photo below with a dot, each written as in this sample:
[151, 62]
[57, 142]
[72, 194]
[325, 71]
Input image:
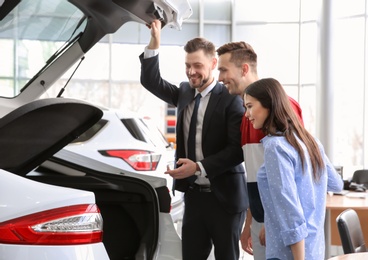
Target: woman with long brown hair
[295, 177]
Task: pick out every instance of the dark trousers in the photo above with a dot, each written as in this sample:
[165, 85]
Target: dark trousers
[206, 223]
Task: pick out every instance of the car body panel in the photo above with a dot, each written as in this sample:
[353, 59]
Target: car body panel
[82, 252]
[33, 196]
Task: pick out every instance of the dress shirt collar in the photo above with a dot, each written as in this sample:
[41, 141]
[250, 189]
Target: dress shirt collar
[206, 90]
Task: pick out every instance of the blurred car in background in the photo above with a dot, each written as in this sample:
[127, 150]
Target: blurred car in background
[131, 143]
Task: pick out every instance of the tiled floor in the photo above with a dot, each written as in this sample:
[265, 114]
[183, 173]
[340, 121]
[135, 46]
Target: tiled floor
[243, 256]
[335, 250]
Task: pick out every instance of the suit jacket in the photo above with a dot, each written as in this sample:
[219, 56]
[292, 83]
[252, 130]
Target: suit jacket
[221, 136]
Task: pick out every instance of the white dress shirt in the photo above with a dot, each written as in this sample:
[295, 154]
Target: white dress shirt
[201, 180]
[206, 93]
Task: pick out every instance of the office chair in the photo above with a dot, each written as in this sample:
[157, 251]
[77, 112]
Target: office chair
[350, 232]
[361, 177]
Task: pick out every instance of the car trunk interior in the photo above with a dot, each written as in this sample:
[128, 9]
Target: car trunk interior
[129, 207]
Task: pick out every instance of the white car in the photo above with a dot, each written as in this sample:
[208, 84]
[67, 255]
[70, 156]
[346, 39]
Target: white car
[56, 204]
[131, 143]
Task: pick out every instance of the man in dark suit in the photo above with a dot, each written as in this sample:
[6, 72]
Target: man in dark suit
[208, 155]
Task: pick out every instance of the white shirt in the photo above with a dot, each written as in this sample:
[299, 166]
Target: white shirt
[202, 180]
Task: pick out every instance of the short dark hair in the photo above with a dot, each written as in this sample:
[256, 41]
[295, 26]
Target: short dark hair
[197, 44]
[241, 52]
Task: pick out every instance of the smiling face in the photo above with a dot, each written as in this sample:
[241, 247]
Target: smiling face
[199, 67]
[231, 75]
[255, 112]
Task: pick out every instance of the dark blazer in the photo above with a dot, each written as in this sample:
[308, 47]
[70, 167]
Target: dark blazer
[221, 145]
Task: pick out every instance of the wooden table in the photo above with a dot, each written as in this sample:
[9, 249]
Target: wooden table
[356, 256]
[335, 204]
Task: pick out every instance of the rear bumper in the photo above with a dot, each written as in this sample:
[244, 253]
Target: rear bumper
[28, 252]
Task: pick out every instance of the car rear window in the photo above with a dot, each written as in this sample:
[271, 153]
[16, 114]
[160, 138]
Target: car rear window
[144, 131]
[90, 132]
[132, 125]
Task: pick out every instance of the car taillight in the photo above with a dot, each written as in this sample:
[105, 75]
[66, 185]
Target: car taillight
[77, 224]
[139, 160]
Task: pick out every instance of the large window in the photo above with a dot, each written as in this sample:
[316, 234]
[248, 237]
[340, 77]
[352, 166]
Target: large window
[25, 45]
[349, 74]
[286, 42]
[285, 34]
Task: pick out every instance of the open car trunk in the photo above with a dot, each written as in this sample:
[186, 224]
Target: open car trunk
[130, 206]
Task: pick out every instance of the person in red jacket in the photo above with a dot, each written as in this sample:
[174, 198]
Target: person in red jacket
[237, 65]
